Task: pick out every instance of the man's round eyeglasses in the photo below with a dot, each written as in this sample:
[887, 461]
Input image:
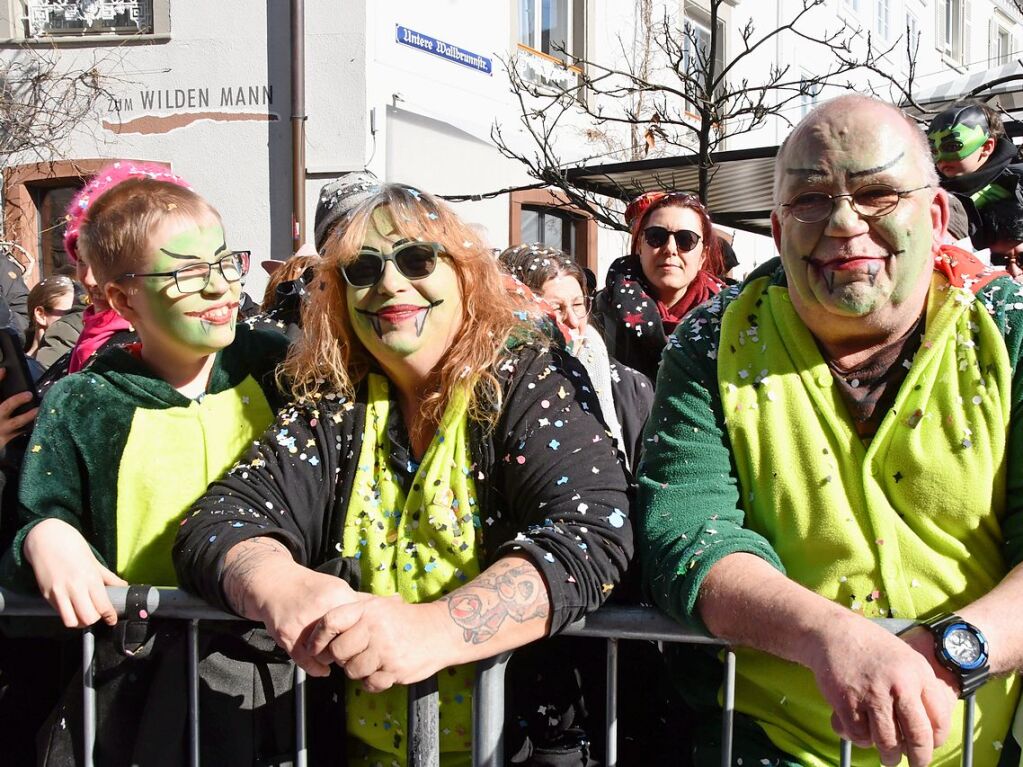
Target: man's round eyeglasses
[195, 278]
[870, 201]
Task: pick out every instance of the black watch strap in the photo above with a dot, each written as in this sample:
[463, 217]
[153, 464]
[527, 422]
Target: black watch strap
[970, 680]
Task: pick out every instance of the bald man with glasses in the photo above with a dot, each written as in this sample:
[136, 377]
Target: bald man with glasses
[837, 440]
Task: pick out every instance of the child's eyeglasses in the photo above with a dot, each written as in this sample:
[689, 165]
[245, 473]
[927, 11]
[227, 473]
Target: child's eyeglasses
[195, 278]
[414, 260]
[657, 237]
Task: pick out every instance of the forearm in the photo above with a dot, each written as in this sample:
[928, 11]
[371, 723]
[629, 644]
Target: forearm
[504, 607]
[748, 602]
[998, 616]
[251, 569]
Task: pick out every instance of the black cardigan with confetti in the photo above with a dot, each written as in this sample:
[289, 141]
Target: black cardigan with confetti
[549, 482]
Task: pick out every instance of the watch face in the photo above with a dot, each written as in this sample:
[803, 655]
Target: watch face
[963, 646]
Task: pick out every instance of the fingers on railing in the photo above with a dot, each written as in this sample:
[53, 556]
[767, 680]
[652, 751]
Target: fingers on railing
[969, 717]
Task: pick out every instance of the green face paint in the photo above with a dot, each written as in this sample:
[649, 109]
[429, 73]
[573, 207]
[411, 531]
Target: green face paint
[186, 323]
[401, 319]
[957, 142]
[848, 265]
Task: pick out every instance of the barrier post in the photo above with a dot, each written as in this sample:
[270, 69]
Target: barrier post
[88, 696]
[193, 693]
[728, 709]
[301, 747]
[611, 704]
[424, 724]
[488, 712]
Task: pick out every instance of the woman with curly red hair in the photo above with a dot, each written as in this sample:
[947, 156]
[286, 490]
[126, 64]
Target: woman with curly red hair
[672, 269]
[442, 457]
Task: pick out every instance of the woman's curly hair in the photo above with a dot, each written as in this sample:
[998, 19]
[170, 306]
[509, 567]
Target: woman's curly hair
[329, 359]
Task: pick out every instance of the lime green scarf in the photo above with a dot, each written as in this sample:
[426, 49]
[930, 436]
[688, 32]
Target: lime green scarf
[860, 525]
[420, 547]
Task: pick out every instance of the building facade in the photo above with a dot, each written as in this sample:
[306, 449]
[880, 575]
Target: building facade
[407, 89]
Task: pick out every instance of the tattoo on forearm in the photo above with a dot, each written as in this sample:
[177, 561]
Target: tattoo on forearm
[243, 560]
[481, 607]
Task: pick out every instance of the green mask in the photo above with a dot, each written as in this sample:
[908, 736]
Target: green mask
[957, 142]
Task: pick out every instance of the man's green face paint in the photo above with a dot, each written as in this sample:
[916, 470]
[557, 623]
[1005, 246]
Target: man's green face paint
[957, 142]
[202, 322]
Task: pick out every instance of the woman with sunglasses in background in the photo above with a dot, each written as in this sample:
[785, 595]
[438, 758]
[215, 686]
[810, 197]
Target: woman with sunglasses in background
[440, 459]
[625, 395]
[675, 257]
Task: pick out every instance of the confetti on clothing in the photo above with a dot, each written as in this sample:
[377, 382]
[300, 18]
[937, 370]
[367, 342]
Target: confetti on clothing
[550, 506]
[127, 478]
[744, 385]
[635, 325]
[422, 547]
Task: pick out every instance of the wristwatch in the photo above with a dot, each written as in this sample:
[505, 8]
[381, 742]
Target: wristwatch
[962, 649]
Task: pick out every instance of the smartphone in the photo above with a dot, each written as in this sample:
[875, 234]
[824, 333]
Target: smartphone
[17, 377]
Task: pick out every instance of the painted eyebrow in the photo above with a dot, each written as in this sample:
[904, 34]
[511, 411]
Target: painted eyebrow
[186, 257]
[815, 173]
[808, 173]
[878, 169]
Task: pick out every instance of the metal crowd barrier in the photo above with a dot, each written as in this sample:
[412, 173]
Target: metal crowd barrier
[612, 624]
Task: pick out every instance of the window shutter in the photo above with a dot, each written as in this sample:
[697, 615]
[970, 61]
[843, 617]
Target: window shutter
[992, 43]
[939, 24]
[967, 28]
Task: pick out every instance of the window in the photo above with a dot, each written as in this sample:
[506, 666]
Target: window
[548, 226]
[912, 30]
[1001, 44]
[695, 46]
[551, 35]
[51, 202]
[952, 30]
[542, 216]
[54, 20]
[696, 49]
[551, 27]
[35, 197]
[853, 5]
[809, 91]
[884, 19]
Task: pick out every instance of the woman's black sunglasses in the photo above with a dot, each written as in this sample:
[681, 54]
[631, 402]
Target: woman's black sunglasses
[657, 237]
[415, 260]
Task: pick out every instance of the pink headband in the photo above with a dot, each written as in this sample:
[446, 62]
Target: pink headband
[103, 182]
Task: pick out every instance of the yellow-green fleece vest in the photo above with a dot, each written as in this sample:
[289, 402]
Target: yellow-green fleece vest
[906, 527]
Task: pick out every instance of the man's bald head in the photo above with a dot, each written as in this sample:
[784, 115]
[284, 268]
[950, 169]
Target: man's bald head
[829, 117]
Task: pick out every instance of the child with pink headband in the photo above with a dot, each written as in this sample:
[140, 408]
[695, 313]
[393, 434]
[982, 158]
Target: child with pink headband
[122, 448]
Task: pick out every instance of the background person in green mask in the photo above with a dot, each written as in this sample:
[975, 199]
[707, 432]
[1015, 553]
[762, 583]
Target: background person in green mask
[978, 164]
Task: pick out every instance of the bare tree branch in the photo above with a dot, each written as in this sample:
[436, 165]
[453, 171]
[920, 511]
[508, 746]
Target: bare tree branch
[673, 91]
[42, 103]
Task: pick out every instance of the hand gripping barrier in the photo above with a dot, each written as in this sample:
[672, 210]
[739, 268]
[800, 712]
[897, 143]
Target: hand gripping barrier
[612, 624]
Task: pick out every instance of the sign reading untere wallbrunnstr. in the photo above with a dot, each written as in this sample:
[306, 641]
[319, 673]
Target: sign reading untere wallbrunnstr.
[428, 44]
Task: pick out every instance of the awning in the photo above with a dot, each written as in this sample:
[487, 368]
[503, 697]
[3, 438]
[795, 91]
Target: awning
[739, 194]
[1001, 86]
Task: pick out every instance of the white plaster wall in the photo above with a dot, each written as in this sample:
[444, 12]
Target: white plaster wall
[242, 167]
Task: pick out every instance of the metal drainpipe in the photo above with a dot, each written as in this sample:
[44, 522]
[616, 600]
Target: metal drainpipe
[298, 117]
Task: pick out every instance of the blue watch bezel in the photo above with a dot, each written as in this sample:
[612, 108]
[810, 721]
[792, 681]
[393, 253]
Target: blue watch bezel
[947, 658]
